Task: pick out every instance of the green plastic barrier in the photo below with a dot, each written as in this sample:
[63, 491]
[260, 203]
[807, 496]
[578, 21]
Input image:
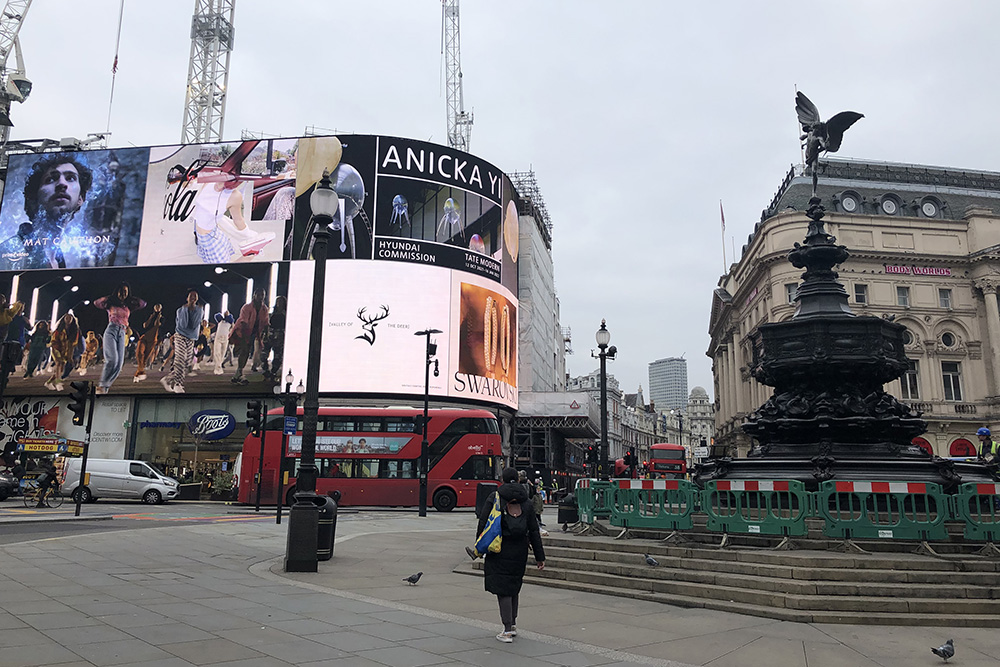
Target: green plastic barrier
[765, 507]
[883, 510]
[585, 500]
[976, 505]
[665, 504]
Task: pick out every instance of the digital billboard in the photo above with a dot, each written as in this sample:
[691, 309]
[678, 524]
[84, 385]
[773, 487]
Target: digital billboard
[192, 250]
[373, 312]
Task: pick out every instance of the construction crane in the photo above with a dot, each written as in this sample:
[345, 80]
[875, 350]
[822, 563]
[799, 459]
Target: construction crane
[14, 85]
[208, 71]
[459, 121]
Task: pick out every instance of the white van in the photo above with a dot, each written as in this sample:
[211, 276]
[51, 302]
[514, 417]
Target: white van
[117, 478]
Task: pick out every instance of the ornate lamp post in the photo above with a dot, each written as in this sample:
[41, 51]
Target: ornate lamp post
[290, 402]
[431, 351]
[604, 353]
[303, 517]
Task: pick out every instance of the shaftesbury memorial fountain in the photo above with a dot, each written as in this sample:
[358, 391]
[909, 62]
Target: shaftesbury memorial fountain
[829, 416]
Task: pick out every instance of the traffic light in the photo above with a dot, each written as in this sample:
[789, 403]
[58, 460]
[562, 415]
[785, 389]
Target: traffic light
[591, 455]
[79, 393]
[254, 417]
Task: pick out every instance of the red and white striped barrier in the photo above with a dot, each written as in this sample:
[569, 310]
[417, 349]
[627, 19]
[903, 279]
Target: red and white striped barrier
[649, 484]
[988, 489]
[583, 483]
[882, 487]
[747, 485]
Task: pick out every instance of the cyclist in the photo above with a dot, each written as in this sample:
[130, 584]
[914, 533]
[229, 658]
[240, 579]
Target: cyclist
[47, 480]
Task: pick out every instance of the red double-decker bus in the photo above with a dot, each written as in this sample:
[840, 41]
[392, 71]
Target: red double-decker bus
[371, 456]
[667, 460]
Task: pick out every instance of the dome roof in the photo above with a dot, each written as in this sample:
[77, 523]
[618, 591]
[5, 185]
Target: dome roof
[699, 392]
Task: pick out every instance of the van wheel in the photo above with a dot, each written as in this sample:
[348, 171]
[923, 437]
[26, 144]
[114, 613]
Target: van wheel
[445, 500]
[83, 495]
[152, 497]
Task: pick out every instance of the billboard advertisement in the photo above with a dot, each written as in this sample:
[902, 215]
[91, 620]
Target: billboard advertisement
[373, 312]
[138, 330]
[166, 269]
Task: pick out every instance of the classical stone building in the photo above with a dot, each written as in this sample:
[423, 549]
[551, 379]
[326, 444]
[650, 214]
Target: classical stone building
[925, 251]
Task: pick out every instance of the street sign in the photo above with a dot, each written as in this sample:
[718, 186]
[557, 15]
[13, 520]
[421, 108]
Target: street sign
[291, 425]
[701, 452]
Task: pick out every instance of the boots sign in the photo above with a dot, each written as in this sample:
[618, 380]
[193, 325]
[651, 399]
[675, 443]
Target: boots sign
[211, 424]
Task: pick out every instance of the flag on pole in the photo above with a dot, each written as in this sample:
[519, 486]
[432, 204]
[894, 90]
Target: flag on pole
[722, 214]
[114, 66]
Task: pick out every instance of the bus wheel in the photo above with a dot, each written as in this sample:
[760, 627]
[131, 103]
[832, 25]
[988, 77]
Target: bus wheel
[445, 500]
[290, 497]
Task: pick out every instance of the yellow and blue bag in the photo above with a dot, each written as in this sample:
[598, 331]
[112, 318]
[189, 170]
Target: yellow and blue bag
[489, 539]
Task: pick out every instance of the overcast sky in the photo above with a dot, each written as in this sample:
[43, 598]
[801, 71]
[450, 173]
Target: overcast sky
[637, 117]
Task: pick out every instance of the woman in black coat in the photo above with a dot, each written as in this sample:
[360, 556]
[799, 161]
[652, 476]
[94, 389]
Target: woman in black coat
[505, 570]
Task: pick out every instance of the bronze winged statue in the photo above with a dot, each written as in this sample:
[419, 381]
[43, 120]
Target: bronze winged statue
[819, 136]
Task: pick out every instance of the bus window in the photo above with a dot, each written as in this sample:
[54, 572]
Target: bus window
[398, 469]
[338, 423]
[365, 468]
[477, 467]
[369, 424]
[400, 425]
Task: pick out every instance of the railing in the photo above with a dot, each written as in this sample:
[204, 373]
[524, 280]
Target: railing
[849, 509]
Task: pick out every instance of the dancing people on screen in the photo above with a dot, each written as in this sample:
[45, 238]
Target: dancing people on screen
[149, 340]
[248, 332]
[90, 346]
[119, 306]
[220, 344]
[186, 329]
[63, 342]
[36, 348]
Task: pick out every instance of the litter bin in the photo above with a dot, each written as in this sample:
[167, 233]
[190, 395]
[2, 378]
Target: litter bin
[327, 526]
[483, 492]
[568, 510]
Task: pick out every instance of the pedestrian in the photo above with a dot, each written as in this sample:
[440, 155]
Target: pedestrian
[987, 448]
[504, 571]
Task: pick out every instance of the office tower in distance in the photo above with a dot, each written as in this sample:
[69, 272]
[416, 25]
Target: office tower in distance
[668, 383]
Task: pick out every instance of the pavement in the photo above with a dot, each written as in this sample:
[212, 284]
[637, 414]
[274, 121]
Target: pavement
[214, 593]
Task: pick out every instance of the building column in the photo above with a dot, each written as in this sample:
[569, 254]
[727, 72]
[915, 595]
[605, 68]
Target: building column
[734, 368]
[989, 288]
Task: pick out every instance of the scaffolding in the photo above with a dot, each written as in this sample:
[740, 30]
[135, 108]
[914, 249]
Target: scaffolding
[532, 202]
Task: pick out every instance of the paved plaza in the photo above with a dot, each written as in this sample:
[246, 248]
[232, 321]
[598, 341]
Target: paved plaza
[214, 594]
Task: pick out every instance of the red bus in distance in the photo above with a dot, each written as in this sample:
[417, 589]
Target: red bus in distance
[667, 461]
[371, 456]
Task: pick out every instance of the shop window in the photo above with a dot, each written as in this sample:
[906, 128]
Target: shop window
[910, 383]
[951, 372]
[944, 298]
[861, 294]
[903, 296]
[923, 444]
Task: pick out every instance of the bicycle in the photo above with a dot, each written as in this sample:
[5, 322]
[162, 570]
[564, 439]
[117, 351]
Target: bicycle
[51, 497]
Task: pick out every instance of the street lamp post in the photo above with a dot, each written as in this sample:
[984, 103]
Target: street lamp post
[303, 517]
[431, 350]
[291, 405]
[604, 353]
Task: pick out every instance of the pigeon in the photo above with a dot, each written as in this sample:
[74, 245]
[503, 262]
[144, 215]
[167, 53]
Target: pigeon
[651, 561]
[413, 578]
[945, 650]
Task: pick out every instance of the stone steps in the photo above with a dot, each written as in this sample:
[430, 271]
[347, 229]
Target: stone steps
[802, 586]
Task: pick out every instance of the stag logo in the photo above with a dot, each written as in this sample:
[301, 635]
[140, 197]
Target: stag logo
[369, 322]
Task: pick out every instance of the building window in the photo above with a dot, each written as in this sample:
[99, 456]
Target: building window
[790, 289]
[952, 372]
[944, 298]
[910, 383]
[903, 296]
[861, 294]
[907, 337]
[948, 339]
